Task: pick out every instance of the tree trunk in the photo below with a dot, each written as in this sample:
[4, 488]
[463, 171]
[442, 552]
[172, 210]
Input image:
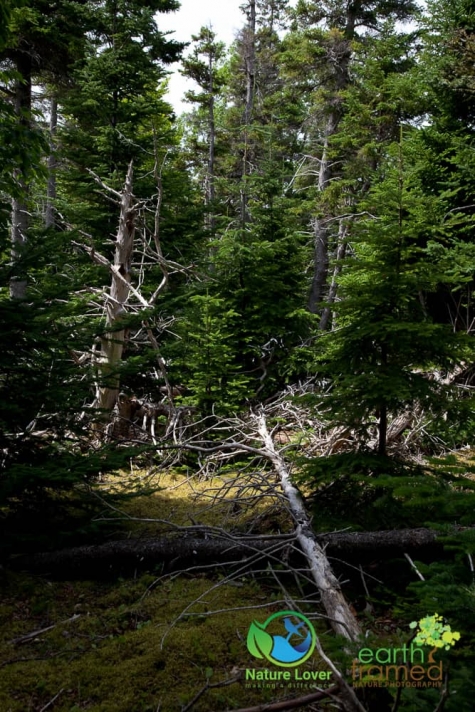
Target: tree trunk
[321, 227]
[341, 617]
[340, 254]
[339, 60]
[51, 188]
[20, 214]
[175, 553]
[112, 342]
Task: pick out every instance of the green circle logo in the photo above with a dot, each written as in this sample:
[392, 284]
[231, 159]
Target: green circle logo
[292, 648]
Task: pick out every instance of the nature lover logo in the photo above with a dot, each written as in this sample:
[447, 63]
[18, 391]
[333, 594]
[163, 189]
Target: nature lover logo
[292, 645]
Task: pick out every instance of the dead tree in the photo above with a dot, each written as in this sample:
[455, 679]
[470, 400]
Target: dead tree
[113, 340]
[341, 617]
[122, 298]
[195, 546]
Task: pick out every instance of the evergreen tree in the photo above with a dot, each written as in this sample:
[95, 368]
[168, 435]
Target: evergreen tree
[386, 347]
[321, 56]
[43, 42]
[446, 74]
[204, 66]
[114, 107]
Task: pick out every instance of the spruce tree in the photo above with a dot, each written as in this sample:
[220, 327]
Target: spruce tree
[386, 347]
[204, 66]
[323, 41]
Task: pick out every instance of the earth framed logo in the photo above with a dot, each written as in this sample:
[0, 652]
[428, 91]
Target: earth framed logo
[291, 648]
[409, 665]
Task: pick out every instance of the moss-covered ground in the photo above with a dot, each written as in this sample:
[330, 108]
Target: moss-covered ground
[129, 647]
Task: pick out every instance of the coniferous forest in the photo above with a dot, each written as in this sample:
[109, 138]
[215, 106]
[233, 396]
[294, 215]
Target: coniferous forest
[237, 358]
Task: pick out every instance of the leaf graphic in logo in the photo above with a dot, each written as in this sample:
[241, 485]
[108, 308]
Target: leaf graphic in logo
[259, 643]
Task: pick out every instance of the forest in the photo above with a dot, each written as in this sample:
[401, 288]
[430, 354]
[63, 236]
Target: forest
[237, 360]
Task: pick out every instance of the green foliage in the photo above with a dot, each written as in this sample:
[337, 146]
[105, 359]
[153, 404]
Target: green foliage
[114, 110]
[386, 342]
[370, 492]
[208, 334]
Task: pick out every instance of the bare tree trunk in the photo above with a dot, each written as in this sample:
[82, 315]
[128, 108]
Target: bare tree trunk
[20, 214]
[51, 188]
[320, 265]
[112, 342]
[340, 254]
[250, 64]
[341, 618]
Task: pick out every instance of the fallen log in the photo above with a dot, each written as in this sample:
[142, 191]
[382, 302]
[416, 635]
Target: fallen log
[174, 553]
[124, 557]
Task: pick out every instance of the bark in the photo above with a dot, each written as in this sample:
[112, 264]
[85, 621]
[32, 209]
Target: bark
[340, 254]
[320, 265]
[121, 557]
[112, 342]
[174, 553]
[341, 617]
[339, 54]
[52, 163]
[20, 215]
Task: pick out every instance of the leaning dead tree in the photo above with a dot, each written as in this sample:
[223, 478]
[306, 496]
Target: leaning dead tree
[341, 617]
[319, 570]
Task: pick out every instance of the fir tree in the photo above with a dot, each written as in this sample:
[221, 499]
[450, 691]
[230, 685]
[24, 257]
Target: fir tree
[386, 345]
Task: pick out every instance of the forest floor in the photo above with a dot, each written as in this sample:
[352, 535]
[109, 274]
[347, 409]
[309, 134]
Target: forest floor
[171, 640]
[145, 644]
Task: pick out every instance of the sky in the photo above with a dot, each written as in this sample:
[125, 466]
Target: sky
[225, 17]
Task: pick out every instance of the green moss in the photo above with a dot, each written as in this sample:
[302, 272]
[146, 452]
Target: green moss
[123, 654]
[131, 649]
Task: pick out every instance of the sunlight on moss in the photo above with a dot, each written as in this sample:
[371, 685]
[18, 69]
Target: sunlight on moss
[185, 500]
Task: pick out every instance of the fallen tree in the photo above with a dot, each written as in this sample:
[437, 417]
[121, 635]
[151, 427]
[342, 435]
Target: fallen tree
[180, 552]
[342, 618]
